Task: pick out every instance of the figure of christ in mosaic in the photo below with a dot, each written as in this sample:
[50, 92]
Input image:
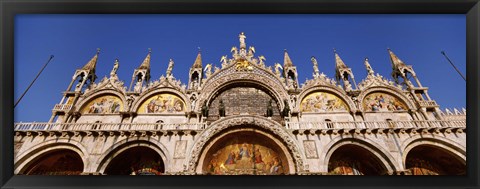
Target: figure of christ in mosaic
[322, 102]
[104, 105]
[382, 102]
[245, 158]
[162, 103]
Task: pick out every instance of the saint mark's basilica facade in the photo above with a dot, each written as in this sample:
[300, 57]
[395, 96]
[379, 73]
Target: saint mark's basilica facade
[245, 117]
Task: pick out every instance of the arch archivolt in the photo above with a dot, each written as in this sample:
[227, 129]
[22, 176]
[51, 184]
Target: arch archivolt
[387, 160]
[204, 141]
[123, 145]
[336, 92]
[394, 92]
[213, 86]
[100, 93]
[139, 101]
[453, 147]
[30, 156]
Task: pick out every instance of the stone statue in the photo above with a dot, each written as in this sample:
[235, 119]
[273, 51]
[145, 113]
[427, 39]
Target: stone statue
[277, 67]
[224, 61]
[221, 109]
[193, 100]
[234, 50]
[242, 40]
[251, 50]
[369, 68]
[262, 59]
[269, 109]
[205, 110]
[316, 72]
[115, 68]
[130, 100]
[170, 68]
[347, 84]
[293, 100]
[208, 70]
[286, 109]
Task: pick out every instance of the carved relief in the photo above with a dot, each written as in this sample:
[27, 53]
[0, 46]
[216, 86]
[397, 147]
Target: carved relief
[180, 149]
[310, 149]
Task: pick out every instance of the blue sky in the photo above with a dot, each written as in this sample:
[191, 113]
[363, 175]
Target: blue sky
[73, 40]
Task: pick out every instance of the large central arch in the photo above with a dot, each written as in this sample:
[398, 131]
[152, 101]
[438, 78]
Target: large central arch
[246, 124]
[272, 86]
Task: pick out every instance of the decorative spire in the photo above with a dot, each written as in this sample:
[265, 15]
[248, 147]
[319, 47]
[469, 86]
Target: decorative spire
[198, 60]
[286, 60]
[396, 62]
[338, 61]
[146, 63]
[93, 62]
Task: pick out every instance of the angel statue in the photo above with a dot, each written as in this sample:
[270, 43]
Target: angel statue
[262, 59]
[208, 70]
[224, 61]
[251, 50]
[277, 71]
[234, 49]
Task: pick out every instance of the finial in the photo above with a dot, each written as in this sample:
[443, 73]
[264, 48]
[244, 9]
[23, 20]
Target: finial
[334, 50]
[284, 50]
[149, 50]
[366, 58]
[199, 49]
[98, 50]
[388, 49]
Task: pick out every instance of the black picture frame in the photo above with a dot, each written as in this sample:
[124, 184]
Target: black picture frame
[10, 8]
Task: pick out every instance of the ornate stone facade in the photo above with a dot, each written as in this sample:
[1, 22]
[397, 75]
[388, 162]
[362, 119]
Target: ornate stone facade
[245, 118]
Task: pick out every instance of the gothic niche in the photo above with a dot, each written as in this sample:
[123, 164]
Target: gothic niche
[245, 153]
[244, 100]
[107, 104]
[379, 101]
[60, 162]
[136, 161]
[430, 160]
[354, 160]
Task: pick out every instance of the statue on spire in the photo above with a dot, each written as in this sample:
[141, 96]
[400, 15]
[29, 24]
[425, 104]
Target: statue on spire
[316, 72]
[170, 68]
[242, 40]
[369, 68]
[115, 68]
